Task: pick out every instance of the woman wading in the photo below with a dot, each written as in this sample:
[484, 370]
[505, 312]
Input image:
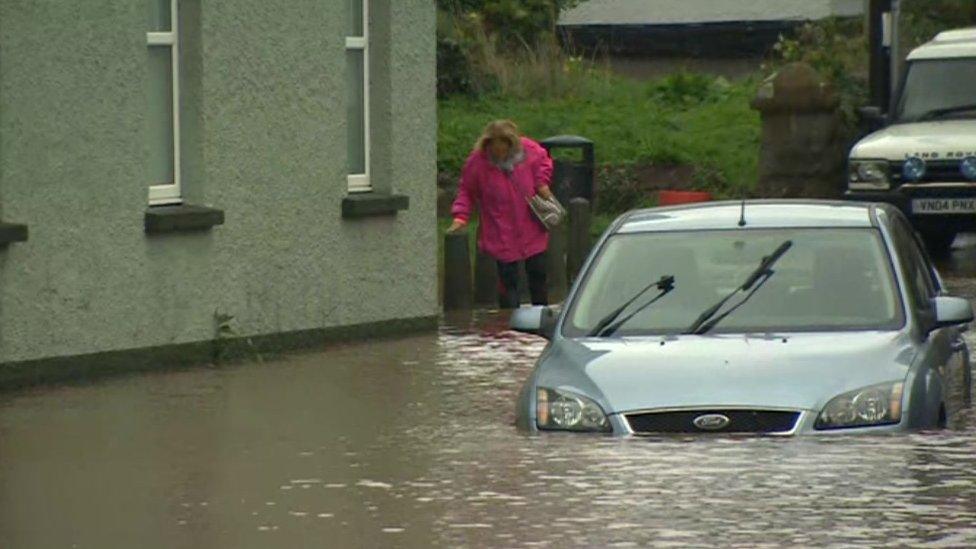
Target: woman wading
[503, 171]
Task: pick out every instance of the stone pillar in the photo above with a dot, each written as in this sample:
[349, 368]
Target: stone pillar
[803, 153]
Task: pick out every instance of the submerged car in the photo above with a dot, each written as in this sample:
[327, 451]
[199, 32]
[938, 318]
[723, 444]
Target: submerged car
[766, 317]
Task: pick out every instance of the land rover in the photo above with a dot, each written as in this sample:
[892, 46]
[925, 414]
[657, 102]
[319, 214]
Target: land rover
[924, 160]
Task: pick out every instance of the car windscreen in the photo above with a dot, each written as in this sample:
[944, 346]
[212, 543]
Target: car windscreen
[937, 85]
[829, 279]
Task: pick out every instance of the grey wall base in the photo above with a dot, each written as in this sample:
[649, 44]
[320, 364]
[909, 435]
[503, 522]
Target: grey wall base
[87, 368]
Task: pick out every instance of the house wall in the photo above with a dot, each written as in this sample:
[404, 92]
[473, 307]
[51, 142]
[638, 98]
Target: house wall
[264, 139]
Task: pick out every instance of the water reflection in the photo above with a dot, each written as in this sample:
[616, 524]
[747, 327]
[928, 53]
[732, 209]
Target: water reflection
[411, 443]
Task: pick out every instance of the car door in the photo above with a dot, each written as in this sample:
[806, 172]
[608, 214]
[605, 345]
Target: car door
[960, 361]
[943, 350]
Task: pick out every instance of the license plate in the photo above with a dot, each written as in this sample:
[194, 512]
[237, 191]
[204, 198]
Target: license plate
[931, 206]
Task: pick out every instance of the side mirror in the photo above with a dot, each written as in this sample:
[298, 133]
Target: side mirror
[872, 118]
[536, 320]
[952, 311]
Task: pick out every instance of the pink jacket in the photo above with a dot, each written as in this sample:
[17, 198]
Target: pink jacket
[509, 231]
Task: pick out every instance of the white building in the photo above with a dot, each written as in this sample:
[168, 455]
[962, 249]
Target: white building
[698, 12]
[649, 37]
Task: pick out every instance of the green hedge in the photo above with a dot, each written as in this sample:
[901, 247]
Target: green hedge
[684, 119]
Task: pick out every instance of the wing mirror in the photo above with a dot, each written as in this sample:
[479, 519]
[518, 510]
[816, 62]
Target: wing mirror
[952, 311]
[872, 118]
[536, 320]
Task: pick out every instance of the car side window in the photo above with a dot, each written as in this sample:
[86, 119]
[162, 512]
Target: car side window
[921, 285]
[936, 280]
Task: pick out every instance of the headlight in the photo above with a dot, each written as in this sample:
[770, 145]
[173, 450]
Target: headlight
[874, 405]
[868, 174]
[968, 168]
[913, 169]
[565, 411]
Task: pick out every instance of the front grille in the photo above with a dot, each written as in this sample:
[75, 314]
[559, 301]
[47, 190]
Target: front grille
[936, 171]
[740, 421]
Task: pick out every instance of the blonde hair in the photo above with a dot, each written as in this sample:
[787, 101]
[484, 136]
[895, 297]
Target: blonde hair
[500, 129]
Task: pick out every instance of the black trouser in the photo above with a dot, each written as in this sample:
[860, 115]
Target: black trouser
[508, 275]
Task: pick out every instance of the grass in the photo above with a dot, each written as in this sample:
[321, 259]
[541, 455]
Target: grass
[683, 119]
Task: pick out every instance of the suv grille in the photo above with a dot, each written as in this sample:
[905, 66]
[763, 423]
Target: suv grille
[740, 421]
[936, 171]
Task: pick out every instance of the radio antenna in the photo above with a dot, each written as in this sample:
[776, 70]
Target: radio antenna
[742, 215]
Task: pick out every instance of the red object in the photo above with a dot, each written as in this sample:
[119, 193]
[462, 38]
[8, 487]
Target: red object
[671, 198]
[509, 231]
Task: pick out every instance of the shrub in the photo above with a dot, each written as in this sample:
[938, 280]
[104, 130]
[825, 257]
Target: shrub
[921, 20]
[838, 50]
[686, 89]
[512, 21]
[503, 46]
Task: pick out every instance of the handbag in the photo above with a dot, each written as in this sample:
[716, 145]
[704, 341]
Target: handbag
[549, 211]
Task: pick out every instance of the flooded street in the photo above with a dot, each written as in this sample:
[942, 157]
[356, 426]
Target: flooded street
[411, 443]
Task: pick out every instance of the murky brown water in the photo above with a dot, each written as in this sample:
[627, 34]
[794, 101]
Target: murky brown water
[410, 443]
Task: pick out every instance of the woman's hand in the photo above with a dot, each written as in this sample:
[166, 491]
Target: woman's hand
[457, 225]
[545, 192]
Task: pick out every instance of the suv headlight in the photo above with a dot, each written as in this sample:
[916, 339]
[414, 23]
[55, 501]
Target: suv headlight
[565, 411]
[868, 174]
[870, 406]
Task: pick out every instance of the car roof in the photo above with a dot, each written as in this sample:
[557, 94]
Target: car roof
[759, 214]
[951, 43]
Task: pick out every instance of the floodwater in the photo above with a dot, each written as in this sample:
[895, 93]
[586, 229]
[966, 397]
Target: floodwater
[410, 443]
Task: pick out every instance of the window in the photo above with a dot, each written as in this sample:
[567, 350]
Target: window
[357, 82]
[163, 116]
[829, 280]
[918, 275]
[937, 84]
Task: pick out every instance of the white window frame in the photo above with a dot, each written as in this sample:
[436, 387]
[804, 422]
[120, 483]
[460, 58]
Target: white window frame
[359, 183]
[170, 193]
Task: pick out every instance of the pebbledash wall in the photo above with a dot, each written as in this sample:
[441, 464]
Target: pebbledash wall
[263, 123]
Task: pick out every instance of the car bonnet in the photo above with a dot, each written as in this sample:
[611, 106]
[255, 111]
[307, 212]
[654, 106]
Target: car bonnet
[794, 371]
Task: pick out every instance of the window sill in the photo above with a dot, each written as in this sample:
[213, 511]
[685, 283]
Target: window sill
[12, 232]
[363, 205]
[181, 218]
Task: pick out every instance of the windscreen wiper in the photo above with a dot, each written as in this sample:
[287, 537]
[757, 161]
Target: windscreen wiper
[938, 113]
[707, 319]
[609, 324]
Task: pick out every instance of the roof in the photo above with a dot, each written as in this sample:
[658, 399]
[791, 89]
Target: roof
[953, 43]
[687, 12]
[758, 214]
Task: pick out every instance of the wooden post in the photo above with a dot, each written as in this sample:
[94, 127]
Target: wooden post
[485, 280]
[578, 245]
[457, 272]
[556, 264]
[967, 383]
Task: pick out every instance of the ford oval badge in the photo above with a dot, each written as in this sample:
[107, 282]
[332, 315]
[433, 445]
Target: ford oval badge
[712, 422]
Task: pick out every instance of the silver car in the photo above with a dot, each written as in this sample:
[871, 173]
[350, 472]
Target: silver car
[766, 317]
